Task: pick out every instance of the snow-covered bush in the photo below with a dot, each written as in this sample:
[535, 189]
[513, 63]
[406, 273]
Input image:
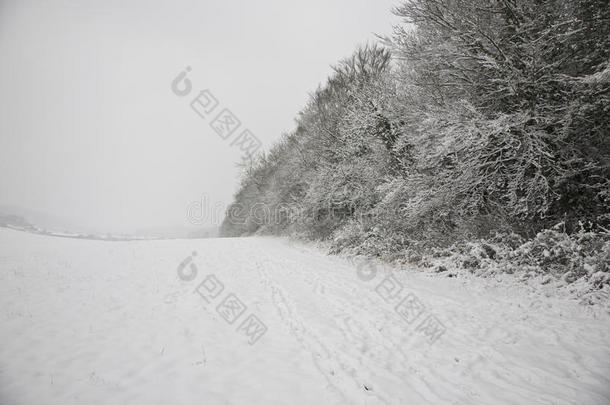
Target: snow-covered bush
[551, 253]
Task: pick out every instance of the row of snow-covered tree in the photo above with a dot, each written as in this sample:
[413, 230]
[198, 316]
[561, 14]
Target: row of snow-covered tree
[476, 116]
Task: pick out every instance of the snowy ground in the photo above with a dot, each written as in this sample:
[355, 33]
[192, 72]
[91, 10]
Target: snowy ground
[94, 322]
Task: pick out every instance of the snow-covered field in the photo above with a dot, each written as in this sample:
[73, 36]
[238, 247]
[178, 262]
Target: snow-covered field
[95, 322]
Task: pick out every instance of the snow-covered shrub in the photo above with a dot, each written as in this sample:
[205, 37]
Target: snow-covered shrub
[580, 254]
[552, 253]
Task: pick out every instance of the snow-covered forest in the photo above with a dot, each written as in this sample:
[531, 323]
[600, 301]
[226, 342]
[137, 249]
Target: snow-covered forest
[475, 121]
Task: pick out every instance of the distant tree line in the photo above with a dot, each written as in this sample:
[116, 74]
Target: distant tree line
[474, 117]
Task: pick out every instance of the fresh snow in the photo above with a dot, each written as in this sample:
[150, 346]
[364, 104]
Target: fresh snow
[101, 322]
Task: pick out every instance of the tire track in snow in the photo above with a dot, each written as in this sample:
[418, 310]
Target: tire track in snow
[342, 377]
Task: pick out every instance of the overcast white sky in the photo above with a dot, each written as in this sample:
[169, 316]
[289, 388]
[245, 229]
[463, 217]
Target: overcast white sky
[90, 130]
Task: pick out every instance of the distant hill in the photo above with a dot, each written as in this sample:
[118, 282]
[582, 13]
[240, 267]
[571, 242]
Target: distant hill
[14, 221]
[49, 225]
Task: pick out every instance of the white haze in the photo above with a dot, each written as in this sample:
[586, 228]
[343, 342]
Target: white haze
[90, 131]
